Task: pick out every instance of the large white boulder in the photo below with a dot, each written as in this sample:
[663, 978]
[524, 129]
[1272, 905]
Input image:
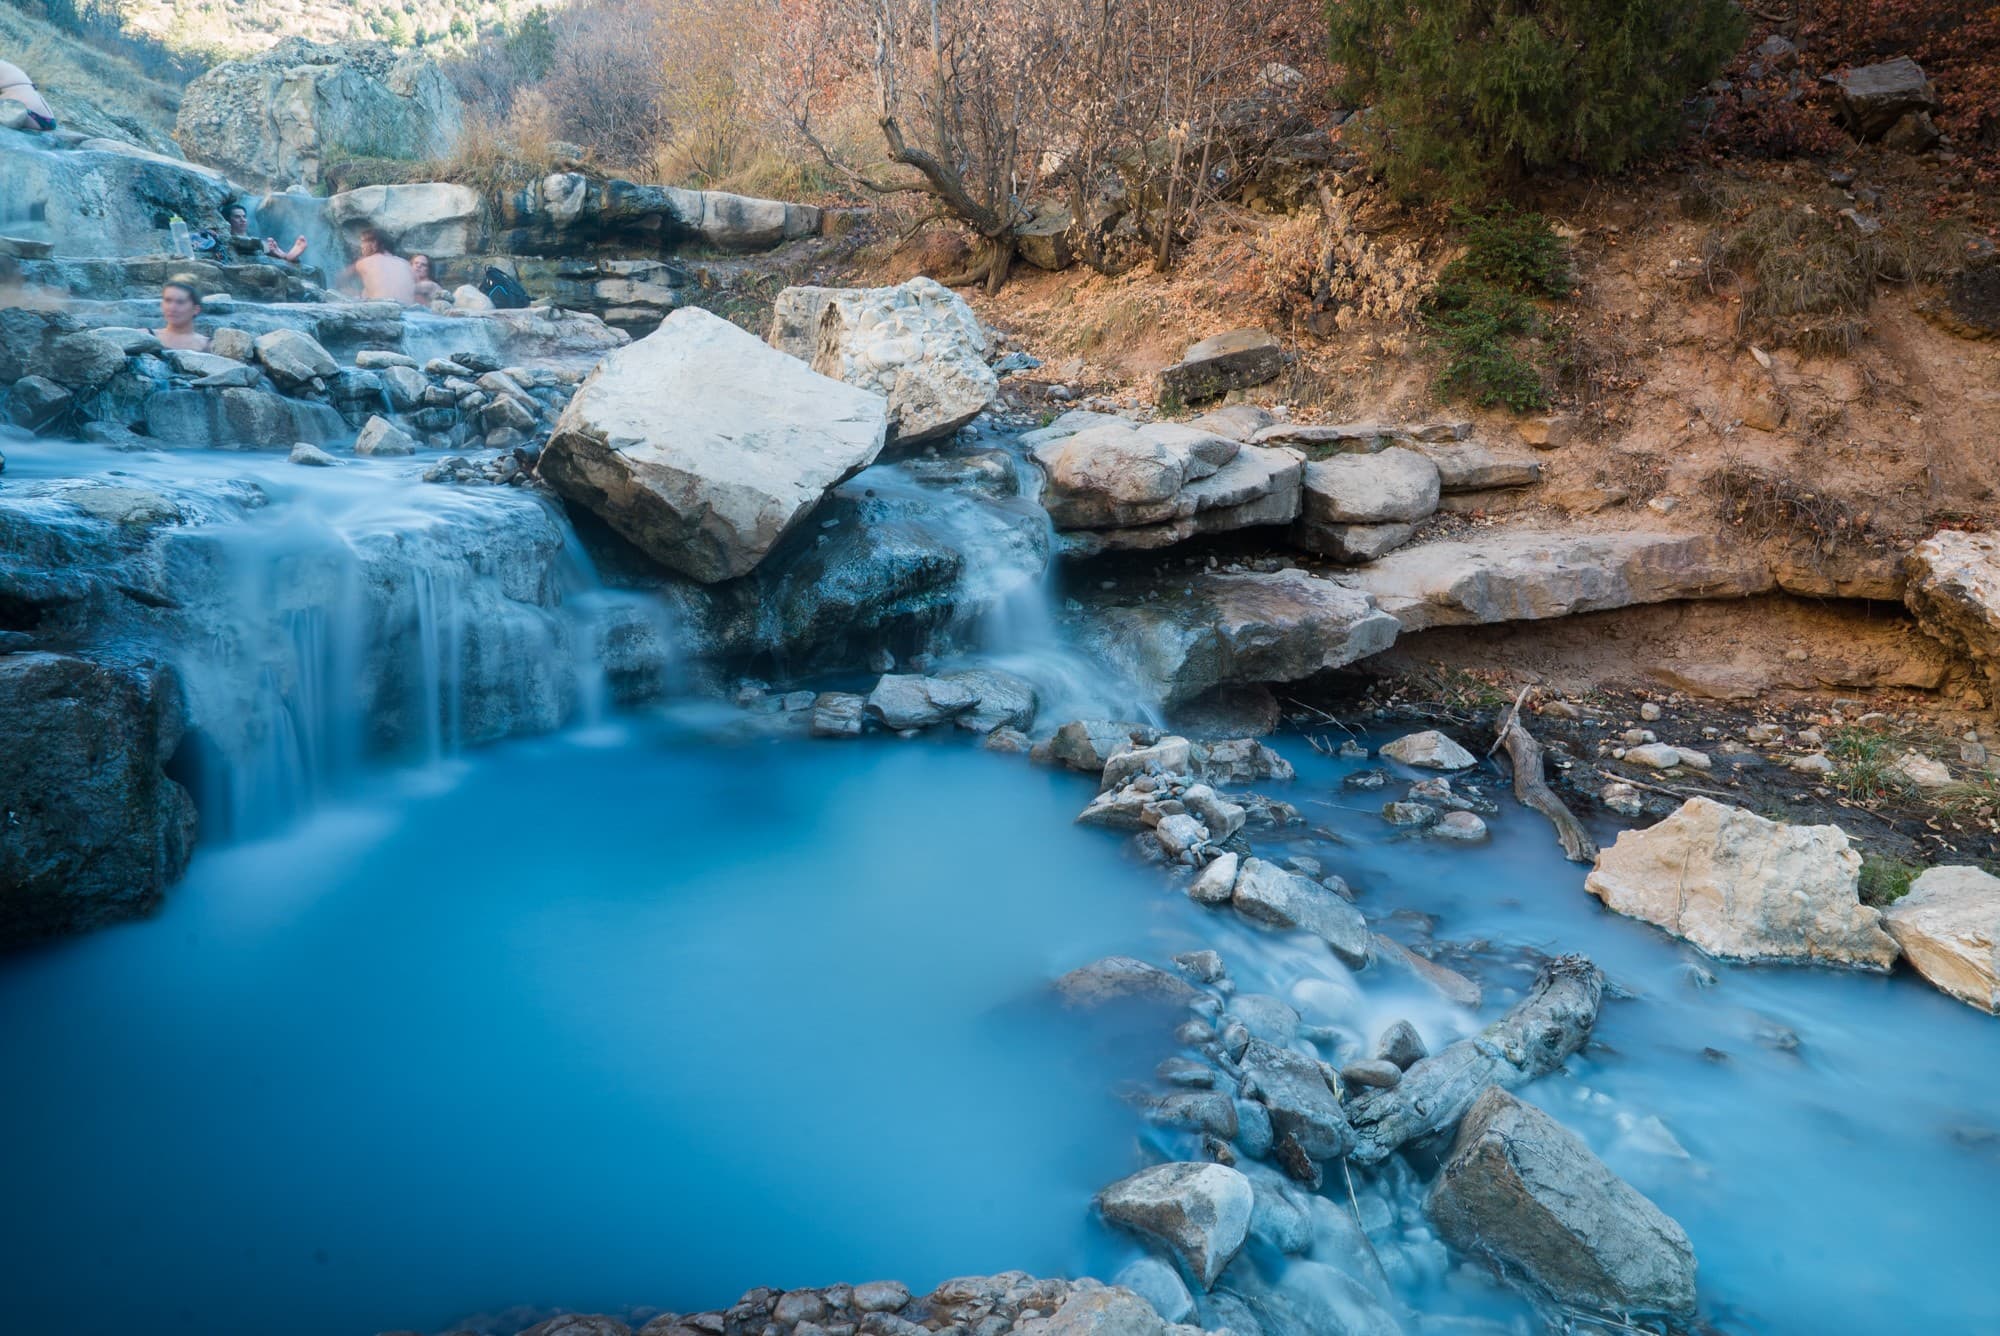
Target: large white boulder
[917, 344]
[704, 446]
[1739, 886]
[1949, 927]
[277, 118]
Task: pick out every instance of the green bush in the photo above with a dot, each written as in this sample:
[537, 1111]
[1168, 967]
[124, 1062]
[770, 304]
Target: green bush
[1885, 880]
[1477, 94]
[1482, 315]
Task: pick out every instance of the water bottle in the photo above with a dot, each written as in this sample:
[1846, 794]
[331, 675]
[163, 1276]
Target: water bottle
[183, 247]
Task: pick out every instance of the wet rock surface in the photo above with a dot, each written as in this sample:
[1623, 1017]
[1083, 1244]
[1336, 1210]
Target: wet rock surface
[1524, 1192]
[95, 830]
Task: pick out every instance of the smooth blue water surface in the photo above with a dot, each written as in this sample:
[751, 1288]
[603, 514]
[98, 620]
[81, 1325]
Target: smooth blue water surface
[643, 1017]
[648, 1023]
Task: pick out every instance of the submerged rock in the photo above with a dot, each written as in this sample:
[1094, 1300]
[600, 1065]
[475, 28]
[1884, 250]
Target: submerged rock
[1087, 744]
[1303, 1104]
[1267, 894]
[1200, 1212]
[704, 446]
[1948, 924]
[95, 830]
[1120, 978]
[1740, 886]
[917, 344]
[1524, 1192]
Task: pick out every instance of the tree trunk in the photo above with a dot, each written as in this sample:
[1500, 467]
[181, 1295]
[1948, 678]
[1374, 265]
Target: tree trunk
[1532, 1040]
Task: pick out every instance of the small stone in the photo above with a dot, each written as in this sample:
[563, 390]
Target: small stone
[1217, 881]
[305, 452]
[1401, 1045]
[1817, 763]
[1649, 712]
[1429, 749]
[1381, 1075]
[1409, 814]
[1653, 756]
[380, 438]
[1461, 827]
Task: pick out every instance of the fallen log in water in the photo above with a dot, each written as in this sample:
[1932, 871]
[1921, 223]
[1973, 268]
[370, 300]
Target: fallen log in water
[1531, 1040]
[1532, 791]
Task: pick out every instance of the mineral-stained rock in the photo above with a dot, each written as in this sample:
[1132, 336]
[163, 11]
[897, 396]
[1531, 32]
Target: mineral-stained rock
[1200, 1212]
[916, 344]
[704, 446]
[1740, 886]
[95, 829]
[1223, 627]
[1954, 590]
[1303, 1105]
[1948, 925]
[1118, 978]
[279, 117]
[1524, 1192]
[1268, 894]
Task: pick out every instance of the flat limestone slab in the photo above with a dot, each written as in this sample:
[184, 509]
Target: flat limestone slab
[1527, 575]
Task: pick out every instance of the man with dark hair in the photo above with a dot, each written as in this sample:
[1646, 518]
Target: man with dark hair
[383, 275]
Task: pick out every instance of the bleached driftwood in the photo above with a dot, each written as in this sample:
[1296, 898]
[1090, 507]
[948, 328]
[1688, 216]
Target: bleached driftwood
[1533, 791]
[1550, 1023]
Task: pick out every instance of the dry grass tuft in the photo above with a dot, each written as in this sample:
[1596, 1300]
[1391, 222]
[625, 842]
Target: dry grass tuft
[1764, 504]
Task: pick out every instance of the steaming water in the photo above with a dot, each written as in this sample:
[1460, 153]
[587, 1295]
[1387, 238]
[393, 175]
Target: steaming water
[645, 1015]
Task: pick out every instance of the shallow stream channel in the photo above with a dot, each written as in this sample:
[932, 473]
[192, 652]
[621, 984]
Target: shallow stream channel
[657, 1007]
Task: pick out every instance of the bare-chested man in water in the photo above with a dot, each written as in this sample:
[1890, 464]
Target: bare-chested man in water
[384, 276]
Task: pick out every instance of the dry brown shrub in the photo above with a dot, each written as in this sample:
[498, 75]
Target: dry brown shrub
[1324, 273]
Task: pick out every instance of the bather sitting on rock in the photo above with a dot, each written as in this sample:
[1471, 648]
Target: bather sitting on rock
[180, 303]
[382, 275]
[428, 289]
[243, 242]
[15, 84]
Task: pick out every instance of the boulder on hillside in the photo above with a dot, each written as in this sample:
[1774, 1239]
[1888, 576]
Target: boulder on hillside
[1200, 1212]
[1215, 366]
[1949, 927]
[1524, 1192]
[704, 446]
[916, 344]
[95, 830]
[1873, 98]
[1224, 627]
[1739, 886]
[278, 117]
[1954, 590]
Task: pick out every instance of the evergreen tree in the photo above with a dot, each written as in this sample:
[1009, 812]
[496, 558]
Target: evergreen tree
[1474, 95]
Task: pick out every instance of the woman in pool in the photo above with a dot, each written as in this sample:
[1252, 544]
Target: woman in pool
[179, 305]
